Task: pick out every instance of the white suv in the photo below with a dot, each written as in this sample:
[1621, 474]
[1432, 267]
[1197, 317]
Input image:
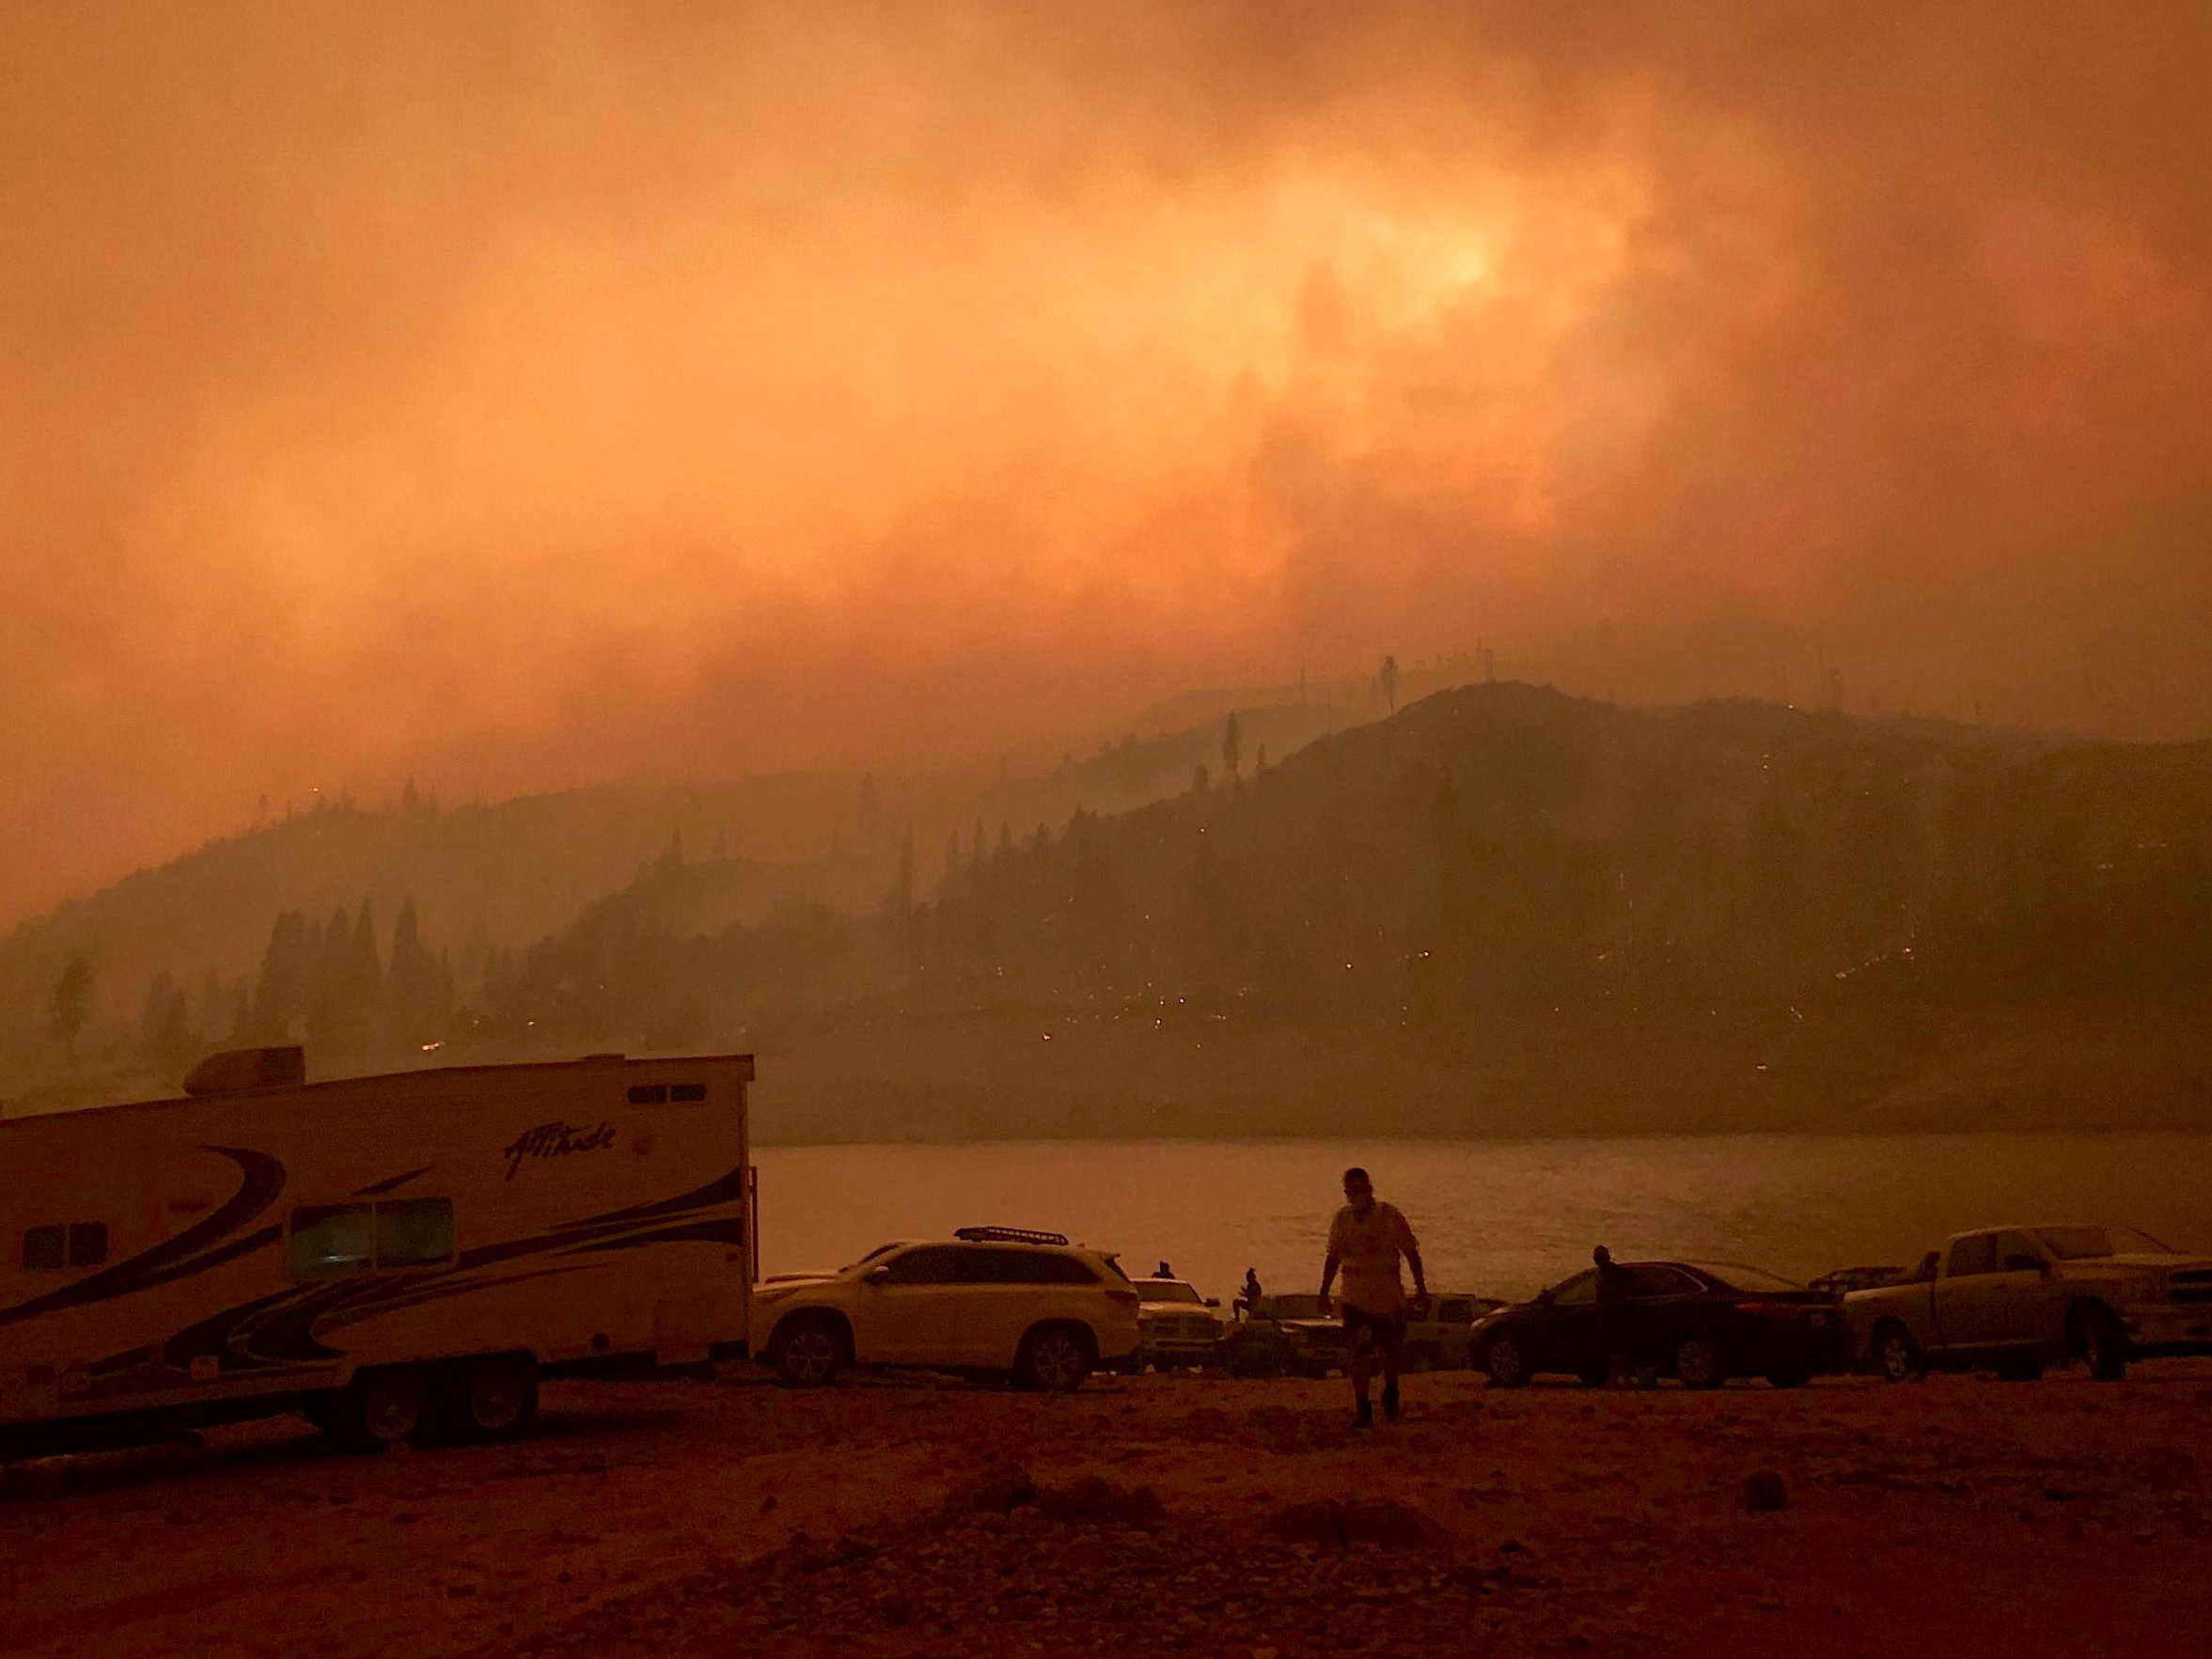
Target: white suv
[1029, 1306]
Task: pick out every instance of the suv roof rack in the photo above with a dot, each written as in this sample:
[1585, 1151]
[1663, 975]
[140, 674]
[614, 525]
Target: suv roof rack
[1009, 1235]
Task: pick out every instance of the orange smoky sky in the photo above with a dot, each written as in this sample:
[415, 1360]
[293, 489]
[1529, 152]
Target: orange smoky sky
[517, 396]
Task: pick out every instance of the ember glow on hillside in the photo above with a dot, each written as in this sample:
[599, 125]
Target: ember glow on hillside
[517, 397]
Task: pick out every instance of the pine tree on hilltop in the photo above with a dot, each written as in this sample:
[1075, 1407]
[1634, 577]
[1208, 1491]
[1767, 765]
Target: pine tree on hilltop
[70, 1004]
[330, 1019]
[280, 994]
[417, 1000]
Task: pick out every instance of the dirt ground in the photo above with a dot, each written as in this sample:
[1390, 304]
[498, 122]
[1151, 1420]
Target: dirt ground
[1958, 1517]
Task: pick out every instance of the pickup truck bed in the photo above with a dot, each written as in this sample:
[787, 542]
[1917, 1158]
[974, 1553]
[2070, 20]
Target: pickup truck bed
[2015, 1300]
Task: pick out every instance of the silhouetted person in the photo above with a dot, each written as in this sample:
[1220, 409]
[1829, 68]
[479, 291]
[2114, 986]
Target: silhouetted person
[1366, 1240]
[1248, 1298]
[1166, 1272]
[1615, 1285]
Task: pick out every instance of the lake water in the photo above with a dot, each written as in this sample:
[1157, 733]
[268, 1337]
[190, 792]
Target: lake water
[1498, 1217]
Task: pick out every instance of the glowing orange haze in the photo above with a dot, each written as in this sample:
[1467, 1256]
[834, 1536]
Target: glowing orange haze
[520, 397]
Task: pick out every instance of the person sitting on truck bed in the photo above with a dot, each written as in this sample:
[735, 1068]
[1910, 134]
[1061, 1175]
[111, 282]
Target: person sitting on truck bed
[1249, 1296]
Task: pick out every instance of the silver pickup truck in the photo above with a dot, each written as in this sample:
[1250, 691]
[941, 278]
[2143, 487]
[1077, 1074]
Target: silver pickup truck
[2015, 1299]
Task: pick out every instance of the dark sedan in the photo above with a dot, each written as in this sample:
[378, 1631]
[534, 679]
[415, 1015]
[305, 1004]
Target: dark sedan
[1701, 1321]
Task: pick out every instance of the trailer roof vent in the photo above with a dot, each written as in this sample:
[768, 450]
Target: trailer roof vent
[248, 1068]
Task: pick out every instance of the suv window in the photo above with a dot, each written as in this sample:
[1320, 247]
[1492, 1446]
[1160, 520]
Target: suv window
[1973, 1256]
[1021, 1267]
[932, 1264]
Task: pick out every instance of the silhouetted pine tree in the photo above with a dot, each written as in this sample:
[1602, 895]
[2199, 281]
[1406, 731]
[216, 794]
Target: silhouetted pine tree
[280, 992]
[70, 1004]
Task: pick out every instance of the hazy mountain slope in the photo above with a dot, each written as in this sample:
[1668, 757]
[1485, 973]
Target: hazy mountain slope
[486, 877]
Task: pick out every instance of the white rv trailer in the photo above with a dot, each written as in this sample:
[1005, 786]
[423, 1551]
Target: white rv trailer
[377, 1252]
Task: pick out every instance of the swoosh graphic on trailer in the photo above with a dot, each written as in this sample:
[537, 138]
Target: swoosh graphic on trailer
[262, 1180]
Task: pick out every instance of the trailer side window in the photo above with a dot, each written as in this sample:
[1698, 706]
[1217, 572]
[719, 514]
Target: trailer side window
[415, 1233]
[329, 1240]
[81, 1244]
[661, 1094]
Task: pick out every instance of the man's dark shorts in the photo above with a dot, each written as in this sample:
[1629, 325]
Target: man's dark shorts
[1374, 1333]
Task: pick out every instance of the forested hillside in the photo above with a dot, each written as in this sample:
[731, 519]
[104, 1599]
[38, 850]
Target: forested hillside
[1500, 908]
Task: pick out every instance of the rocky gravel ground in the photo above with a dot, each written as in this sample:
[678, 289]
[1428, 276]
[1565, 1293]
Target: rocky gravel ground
[1961, 1517]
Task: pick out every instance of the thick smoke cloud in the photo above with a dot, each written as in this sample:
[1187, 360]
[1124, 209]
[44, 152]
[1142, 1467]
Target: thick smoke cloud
[515, 397]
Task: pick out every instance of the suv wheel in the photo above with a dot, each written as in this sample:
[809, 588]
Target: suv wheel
[808, 1351]
[1055, 1357]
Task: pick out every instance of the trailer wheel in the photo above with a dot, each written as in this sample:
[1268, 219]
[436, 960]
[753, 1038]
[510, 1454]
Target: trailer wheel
[808, 1351]
[380, 1409]
[499, 1398]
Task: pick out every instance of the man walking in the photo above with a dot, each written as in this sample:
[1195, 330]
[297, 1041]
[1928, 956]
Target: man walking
[1366, 1240]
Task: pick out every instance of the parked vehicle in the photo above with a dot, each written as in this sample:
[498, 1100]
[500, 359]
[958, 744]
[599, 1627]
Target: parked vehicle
[378, 1253]
[1285, 1335]
[1840, 1282]
[1001, 1301]
[2016, 1299]
[1440, 1337]
[1176, 1327]
[1700, 1321]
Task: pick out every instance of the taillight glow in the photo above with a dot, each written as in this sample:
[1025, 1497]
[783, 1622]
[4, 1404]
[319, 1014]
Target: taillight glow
[1777, 1310]
[1123, 1298]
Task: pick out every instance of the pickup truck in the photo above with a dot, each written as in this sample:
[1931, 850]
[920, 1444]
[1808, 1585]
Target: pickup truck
[2015, 1299]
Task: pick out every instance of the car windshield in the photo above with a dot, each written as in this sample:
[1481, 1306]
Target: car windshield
[2077, 1243]
[1734, 1276]
[1168, 1290]
[864, 1261]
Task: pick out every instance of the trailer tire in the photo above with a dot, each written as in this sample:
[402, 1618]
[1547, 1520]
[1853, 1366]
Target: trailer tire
[497, 1399]
[378, 1411]
[809, 1349]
